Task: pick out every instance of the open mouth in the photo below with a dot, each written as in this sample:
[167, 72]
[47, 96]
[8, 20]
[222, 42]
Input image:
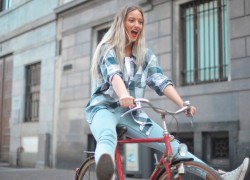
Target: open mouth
[134, 34]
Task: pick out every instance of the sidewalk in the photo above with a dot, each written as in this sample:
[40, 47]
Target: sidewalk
[37, 174]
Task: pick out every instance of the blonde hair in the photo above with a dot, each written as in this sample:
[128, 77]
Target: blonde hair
[115, 38]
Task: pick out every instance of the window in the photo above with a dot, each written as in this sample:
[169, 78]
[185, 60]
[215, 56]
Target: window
[101, 33]
[216, 148]
[32, 96]
[204, 34]
[98, 35]
[220, 147]
[5, 4]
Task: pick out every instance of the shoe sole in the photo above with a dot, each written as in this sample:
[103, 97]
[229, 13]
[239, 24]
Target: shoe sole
[105, 168]
[245, 169]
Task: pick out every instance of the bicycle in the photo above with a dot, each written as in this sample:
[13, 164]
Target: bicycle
[168, 167]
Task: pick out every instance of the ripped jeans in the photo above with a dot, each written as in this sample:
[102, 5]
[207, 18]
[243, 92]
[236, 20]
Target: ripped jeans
[103, 127]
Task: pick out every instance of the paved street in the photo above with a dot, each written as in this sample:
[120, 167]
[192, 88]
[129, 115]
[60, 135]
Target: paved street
[7, 173]
[12, 173]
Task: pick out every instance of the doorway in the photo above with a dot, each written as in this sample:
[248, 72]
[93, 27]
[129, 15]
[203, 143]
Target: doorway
[6, 71]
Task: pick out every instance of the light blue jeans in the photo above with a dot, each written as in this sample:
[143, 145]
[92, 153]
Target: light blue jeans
[103, 127]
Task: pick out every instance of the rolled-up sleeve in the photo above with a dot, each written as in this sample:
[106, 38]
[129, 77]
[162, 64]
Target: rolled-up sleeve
[155, 77]
[109, 66]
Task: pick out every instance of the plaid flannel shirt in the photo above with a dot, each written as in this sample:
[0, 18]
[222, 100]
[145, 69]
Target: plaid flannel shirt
[149, 74]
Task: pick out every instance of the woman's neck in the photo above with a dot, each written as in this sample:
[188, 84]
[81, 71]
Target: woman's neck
[128, 50]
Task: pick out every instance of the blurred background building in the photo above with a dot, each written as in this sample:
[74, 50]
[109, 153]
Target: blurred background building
[45, 55]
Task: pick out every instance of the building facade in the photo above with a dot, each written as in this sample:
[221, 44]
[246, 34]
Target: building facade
[28, 40]
[45, 57]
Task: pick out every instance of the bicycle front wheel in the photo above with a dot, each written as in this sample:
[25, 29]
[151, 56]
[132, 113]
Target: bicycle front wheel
[87, 170]
[193, 171]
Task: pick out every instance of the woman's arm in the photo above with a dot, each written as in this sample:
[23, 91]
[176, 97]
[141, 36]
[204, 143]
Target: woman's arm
[120, 89]
[173, 95]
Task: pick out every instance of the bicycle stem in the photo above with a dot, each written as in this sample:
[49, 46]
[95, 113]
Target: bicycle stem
[164, 125]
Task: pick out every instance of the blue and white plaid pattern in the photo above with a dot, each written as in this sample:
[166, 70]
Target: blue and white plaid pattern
[149, 74]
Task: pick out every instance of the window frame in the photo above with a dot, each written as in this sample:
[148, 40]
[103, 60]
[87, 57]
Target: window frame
[32, 92]
[95, 43]
[178, 46]
[208, 139]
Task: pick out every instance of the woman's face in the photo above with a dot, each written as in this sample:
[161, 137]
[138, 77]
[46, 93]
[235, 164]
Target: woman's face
[133, 25]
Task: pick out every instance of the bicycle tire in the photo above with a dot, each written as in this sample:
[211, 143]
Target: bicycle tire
[87, 170]
[194, 171]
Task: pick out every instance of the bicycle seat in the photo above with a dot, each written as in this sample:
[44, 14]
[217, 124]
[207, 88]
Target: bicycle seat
[121, 130]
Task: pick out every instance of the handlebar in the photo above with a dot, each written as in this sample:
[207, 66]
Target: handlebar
[163, 112]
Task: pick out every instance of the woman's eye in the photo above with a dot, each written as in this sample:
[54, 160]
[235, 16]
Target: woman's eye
[134, 20]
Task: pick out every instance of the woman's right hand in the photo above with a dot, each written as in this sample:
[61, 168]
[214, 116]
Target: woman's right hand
[127, 101]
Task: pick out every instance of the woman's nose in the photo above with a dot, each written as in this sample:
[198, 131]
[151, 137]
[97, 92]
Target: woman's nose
[137, 24]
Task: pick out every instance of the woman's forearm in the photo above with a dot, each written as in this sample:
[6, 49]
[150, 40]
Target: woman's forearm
[119, 86]
[120, 89]
[173, 95]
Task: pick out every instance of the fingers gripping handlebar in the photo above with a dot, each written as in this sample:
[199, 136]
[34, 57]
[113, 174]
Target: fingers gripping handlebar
[140, 101]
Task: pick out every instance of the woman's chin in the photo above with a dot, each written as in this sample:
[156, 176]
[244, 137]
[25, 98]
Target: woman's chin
[132, 40]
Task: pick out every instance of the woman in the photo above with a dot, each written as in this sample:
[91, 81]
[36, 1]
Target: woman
[123, 66]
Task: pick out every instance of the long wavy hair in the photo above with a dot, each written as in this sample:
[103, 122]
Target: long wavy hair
[115, 38]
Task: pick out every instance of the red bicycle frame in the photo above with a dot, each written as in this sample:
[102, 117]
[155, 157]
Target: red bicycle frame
[166, 139]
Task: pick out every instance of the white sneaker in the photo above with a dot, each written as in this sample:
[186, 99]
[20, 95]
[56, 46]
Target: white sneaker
[105, 168]
[237, 174]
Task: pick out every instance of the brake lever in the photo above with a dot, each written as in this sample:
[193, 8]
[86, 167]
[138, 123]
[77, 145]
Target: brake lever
[192, 120]
[137, 106]
[186, 108]
[187, 103]
[181, 110]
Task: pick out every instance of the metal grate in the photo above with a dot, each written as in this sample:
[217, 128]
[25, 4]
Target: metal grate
[204, 32]
[220, 148]
[216, 146]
